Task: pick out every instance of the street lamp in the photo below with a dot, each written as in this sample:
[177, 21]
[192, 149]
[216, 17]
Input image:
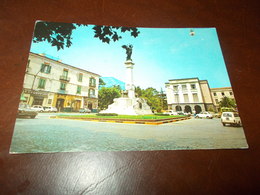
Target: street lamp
[33, 84]
[192, 33]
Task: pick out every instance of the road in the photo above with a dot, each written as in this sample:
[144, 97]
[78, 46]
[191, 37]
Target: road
[43, 134]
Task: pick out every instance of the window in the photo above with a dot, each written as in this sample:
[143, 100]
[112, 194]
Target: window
[46, 68]
[215, 94]
[186, 98]
[78, 89]
[227, 114]
[177, 98]
[64, 76]
[91, 93]
[62, 86]
[41, 83]
[193, 86]
[195, 97]
[175, 88]
[216, 100]
[92, 82]
[65, 73]
[222, 93]
[80, 77]
[184, 87]
[231, 93]
[49, 101]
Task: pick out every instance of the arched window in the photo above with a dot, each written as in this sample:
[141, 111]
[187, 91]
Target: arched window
[91, 93]
[197, 109]
[178, 108]
[187, 109]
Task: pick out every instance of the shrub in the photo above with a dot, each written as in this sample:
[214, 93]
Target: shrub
[107, 114]
[161, 114]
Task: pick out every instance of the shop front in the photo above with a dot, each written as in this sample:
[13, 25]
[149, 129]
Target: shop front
[68, 103]
[35, 97]
[91, 103]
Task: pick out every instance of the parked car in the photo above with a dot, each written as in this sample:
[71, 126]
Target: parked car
[171, 112]
[50, 109]
[24, 110]
[84, 110]
[231, 118]
[187, 113]
[37, 108]
[204, 115]
[217, 115]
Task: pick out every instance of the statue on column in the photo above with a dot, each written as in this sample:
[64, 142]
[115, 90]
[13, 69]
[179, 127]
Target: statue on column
[128, 49]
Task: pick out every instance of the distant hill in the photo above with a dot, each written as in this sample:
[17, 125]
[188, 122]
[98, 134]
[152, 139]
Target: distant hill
[111, 81]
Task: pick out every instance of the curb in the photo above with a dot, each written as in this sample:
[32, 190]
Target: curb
[144, 122]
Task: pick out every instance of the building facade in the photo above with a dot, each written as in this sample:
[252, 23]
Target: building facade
[189, 95]
[50, 82]
[219, 93]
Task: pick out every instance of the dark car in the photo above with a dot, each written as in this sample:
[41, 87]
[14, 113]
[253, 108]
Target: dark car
[24, 111]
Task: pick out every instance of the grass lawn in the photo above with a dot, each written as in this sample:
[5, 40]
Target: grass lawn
[122, 116]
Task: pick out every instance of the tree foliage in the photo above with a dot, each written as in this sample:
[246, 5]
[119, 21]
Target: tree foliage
[60, 34]
[101, 82]
[155, 99]
[227, 102]
[106, 96]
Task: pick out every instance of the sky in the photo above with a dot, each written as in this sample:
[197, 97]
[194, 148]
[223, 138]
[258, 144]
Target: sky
[159, 54]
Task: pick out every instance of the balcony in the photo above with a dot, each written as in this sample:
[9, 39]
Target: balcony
[92, 96]
[62, 91]
[92, 84]
[64, 78]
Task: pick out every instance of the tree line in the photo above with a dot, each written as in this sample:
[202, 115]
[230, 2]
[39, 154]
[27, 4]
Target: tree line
[155, 99]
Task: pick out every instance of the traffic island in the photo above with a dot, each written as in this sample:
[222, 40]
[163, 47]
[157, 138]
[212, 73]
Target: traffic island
[125, 120]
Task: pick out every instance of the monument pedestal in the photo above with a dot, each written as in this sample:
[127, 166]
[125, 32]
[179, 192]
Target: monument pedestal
[129, 105]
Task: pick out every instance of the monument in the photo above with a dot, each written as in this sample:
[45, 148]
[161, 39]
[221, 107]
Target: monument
[129, 105]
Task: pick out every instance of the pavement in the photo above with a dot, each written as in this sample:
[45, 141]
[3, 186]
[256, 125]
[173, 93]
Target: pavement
[44, 134]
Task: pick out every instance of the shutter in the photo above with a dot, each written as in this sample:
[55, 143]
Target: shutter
[49, 69]
[42, 68]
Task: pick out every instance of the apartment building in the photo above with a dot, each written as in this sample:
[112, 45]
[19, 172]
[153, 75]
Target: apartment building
[189, 95]
[219, 93]
[49, 82]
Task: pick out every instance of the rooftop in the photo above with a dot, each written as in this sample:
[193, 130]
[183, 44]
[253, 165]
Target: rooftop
[59, 61]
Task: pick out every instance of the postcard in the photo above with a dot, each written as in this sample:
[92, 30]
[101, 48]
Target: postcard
[108, 88]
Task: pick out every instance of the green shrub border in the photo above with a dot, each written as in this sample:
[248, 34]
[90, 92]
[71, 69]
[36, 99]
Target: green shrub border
[161, 114]
[107, 114]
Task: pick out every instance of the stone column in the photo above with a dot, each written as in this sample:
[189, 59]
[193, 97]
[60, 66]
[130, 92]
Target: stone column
[129, 79]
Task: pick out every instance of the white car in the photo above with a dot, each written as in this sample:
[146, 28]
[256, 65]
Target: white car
[231, 118]
[37, 108]
[171, 112]
[50, 109]
[204, 115]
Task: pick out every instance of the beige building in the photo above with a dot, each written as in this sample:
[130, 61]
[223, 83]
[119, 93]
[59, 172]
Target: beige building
[219, 93]
[50, 82]
[189, 95]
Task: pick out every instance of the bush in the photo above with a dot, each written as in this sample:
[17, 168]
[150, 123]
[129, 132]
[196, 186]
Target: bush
[107, 114]
[161, 114]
